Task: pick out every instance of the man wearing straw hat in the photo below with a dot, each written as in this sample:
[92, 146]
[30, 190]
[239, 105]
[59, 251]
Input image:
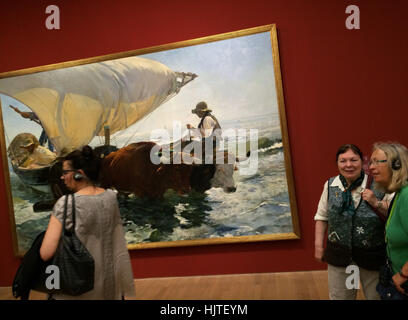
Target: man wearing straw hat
[209, 127]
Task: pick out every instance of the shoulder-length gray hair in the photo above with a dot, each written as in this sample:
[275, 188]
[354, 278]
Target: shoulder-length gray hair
[397, 156]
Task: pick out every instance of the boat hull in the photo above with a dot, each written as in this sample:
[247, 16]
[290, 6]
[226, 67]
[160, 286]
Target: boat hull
[37, 178]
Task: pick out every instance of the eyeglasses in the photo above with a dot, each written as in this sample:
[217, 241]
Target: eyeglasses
[375, 162]
[64, 172]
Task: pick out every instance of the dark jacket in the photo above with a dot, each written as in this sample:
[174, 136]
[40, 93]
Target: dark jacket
[31, 272]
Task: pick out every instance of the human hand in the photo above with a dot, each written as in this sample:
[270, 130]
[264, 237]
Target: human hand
[398, 280]
[369, 196]
[319, 251]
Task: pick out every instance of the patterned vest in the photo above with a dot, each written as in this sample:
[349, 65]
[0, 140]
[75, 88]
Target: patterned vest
[358, 237]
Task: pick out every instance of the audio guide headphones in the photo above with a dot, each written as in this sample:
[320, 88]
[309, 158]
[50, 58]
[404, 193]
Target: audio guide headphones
[78, 176]
[396, 163]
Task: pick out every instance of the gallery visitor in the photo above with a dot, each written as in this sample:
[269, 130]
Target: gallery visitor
[355, 231]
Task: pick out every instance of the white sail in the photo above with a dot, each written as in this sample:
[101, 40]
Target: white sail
[74, 104]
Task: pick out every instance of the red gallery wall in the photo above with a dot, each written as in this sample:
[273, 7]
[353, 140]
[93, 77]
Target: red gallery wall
[340, 86]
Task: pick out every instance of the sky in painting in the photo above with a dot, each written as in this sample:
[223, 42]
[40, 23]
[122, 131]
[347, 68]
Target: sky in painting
[235, 78]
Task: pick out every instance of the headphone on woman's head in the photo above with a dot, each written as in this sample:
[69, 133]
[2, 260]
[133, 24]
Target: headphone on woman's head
[78, 176]
[396, 163]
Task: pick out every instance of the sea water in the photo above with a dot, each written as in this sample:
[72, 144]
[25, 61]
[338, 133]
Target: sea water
[259, 206]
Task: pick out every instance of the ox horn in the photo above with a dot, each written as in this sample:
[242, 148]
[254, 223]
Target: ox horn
[237, 159]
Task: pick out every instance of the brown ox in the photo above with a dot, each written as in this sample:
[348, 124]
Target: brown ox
[130, 169]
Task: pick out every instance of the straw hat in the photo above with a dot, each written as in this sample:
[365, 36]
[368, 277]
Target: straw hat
[201, 107]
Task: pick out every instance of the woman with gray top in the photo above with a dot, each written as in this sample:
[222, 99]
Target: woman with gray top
[98, 225]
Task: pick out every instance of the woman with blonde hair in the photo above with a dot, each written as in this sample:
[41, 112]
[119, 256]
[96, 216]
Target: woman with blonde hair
[389, 167]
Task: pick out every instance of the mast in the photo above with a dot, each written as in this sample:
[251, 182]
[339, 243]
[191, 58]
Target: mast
[107, 135]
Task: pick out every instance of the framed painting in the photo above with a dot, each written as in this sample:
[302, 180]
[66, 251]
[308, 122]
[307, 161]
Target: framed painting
[162, 97]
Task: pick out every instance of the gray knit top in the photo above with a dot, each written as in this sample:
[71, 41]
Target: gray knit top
[99, 227]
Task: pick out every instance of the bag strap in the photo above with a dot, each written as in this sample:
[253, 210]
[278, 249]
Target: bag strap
[73, 213]
[65, 212]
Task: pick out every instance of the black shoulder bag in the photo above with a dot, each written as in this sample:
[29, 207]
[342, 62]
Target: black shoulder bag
[75, 263]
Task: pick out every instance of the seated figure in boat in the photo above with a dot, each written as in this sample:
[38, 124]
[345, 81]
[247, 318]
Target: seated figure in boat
[38, 156]
[33, 117]
[25, 152]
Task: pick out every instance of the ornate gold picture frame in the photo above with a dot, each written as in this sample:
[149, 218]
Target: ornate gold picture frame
[148, 95]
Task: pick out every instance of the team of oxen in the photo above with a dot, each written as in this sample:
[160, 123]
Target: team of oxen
[131, 170]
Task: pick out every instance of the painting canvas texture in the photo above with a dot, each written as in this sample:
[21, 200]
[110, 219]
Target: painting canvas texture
[149, 95]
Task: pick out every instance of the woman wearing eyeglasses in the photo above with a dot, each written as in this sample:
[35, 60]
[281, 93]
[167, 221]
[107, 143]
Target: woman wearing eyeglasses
[389, 166]
[98, 226]
[355, 232]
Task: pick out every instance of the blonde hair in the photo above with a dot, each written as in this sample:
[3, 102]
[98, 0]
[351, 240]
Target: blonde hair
[397, 156]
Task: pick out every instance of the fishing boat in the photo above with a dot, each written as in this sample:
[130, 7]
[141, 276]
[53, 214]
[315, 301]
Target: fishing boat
[75, 104]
